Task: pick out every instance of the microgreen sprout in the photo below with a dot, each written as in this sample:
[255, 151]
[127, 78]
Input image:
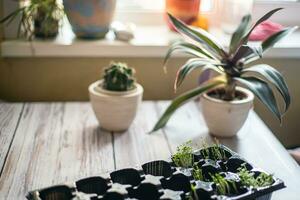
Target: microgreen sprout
[197, 173]
[214, 152]
[248, 179]
[224, 186]
[264, 179]
[218, 153]
[193, 194]
[184, 155]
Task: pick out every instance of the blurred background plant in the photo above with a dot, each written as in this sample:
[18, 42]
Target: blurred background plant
[39, 18]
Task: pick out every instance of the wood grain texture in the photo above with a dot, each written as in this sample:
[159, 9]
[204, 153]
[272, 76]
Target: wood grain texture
[54, 143]
[9, 118]
[58, 142]
[186, 124]
[135, 146]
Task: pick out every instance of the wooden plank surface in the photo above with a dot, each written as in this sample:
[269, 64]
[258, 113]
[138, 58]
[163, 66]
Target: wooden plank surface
[187, 124]
[9, 119]
[136, 146]
[54, 143]
[58, 142]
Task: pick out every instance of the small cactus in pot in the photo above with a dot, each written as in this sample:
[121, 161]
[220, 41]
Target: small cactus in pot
[119, 77]
[116, 97]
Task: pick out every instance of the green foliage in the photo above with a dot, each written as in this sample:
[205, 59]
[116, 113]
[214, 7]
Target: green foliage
[264, 180]
[224, 186]
[205, 151]
[46, 12]
[213, 152]
[118, 77]
[230, 64]
[193, 194]
[218, 153]
[184, 98]
[197, 173]
[184, 155]
[248, 179]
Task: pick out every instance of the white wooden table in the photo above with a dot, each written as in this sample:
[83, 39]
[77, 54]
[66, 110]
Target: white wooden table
[42, 144]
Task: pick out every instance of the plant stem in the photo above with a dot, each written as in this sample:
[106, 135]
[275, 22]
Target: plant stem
[229, 90]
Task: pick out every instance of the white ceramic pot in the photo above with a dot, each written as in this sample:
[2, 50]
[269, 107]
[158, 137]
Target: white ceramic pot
[115, 110]
[225, 118]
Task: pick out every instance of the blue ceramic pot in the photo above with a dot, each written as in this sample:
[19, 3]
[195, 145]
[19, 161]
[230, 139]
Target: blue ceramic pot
[90, 18]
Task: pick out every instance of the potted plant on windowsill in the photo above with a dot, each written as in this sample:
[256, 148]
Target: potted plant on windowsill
[116, 97]
[39, 18]
[225, 105]
[90, 19]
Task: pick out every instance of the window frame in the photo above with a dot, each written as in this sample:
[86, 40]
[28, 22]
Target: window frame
[290, 18]
[260, 7]
[156, 17]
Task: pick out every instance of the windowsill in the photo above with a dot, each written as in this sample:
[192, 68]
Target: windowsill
[152, 37]
[149, 41]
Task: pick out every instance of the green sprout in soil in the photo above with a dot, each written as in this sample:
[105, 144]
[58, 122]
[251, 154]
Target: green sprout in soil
[224, 187]
[264, 179]
[248, 179]
[213, 152]
[184, 155]
[205, 150]
[193, 194]
[197, 173]
[218, 153]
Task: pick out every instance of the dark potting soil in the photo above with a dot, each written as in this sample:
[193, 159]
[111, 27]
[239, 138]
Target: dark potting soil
[219, 93]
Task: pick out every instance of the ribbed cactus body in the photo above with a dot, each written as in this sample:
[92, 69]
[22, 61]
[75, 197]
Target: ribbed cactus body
[118, 77]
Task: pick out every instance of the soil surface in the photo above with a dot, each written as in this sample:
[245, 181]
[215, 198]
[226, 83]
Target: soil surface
[220, 94]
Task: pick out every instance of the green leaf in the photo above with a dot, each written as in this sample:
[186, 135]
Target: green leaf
[215, 68]
[11, 16]
[187, 48]
[273, 39]
[200, 36]
[250, 59]
[184, 98]
[264, 18]
[244, 40]
[239, 33]
[189, 66]
[247, 51]
[264, 93]
[275, 78]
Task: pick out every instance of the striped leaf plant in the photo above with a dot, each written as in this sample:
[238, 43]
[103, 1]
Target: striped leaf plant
[230, 65]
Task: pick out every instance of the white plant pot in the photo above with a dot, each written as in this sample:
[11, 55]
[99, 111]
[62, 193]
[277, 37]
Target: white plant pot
[115, 110]
[225, 118]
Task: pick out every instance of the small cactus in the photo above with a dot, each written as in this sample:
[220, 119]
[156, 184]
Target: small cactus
[118, 77]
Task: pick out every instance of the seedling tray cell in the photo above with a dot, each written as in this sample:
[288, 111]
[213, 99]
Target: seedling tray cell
[203, 178]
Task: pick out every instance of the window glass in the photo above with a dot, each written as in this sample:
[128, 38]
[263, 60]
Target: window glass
[155, 5]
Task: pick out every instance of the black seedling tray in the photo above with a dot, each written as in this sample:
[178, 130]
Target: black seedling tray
[157, 180]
